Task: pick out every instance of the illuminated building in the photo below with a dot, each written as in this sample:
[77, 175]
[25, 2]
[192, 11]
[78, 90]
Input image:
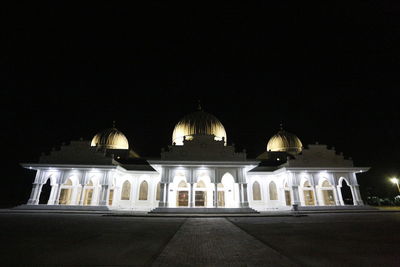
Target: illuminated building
[199, 169]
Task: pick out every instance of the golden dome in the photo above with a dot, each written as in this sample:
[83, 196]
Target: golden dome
[198, 123]
[285, 142]
[110, 139]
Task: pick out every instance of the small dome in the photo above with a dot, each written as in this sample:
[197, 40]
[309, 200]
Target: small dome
[110, 139]
[285, 142]
[198, 123]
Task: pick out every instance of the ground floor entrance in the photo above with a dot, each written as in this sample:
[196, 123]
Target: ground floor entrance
[183, 198]
[200, 199]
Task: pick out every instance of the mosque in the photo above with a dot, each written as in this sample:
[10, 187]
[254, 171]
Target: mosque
[198, 170]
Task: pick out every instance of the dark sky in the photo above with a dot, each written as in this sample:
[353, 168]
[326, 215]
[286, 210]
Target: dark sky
[330, 72]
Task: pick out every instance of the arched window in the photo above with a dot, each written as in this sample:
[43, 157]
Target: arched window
[200, 184]
[158, 191]
[143, 190]
[256, 191]
[273, 194]
[126, 190]
[182, 184]
[65, 193]
[88, 194]
[326, 184]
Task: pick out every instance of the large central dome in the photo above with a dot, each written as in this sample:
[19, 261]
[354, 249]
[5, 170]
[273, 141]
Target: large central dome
[198, 123]
[110, 139]
[284, 141]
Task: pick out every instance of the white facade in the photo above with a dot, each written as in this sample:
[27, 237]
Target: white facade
[201, 171]
[225, 184]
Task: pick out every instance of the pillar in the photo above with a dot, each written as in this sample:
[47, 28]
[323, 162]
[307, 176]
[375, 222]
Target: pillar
[317, 193]
[53, 193]
[358, 195]
[57, 196]
[35, 194]
[191, 204]
[240, 196]
[336, 193]
[353, 195]
[162, 194]
[215, 195]
[166, 195]
[81, 197]
[296, 196]
[340, 196]
[245, 200]
[103, 195]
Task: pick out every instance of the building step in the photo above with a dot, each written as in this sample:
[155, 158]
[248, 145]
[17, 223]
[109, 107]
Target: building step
[61, 207]
[165, 210]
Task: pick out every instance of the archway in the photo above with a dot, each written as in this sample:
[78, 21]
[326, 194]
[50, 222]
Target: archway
[256, 191]
[45, 193]
[228, 191]
[308, 194]
[65, 193]
[200, 199]
[327, 193]
[88, 195]
[273, 191]
[345, 190]
[182, 197]
[143, 190]
[126, 190]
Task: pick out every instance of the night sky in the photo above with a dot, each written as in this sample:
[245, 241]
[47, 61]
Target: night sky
[329, 72]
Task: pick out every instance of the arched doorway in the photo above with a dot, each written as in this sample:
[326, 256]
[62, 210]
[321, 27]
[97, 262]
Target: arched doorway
[308, 194]
[182, 197]
[45, 193]
[345, 190]
[200, 199]
[65, 193]
[228, 183]
[327, 193]
[88, 195]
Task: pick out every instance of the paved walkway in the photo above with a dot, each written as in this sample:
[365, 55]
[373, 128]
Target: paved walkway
[217, 242]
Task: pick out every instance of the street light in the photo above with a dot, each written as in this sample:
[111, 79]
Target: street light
[395, 181]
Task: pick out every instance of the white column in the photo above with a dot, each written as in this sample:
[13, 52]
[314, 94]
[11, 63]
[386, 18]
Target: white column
[53, 193]
[103, 195]
[191, 196]
[74, 195]
[57, 199]
[166, 195]
[296, 196]
[81, 197]
[336, 193]
[34, 194]
[245, 200]
[353, 195]
[162, 195]
[215, 195]
[240, 195]
[340, 196]
[358, 195]
[317, 193]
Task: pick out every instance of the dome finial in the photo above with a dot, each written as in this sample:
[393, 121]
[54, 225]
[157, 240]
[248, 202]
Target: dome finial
[113, 124]
[281, 126]
[198, 105]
